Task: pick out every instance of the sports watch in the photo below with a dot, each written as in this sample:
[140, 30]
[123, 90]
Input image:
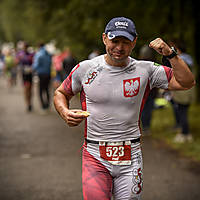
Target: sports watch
[173, 54]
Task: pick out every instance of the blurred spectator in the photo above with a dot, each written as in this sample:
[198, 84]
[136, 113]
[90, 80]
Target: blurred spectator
[10, 66]
[25, 60]
[148, 54]
[42, 65]
[181, 100]
[2, 65]
[58, 66]
[93, 54]
[69, 63]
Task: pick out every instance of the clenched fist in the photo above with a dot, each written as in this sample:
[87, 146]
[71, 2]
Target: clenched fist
[160, 46]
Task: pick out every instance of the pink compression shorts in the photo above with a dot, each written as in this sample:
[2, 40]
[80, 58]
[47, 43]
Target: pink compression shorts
[101, 180]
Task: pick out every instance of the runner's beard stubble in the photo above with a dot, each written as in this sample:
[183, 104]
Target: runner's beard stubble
[123, 60]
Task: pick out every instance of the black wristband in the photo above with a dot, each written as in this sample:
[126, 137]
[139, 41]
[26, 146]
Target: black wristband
[165, 61]
[173, 54]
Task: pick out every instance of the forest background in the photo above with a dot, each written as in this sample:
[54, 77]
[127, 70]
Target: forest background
[79, 24]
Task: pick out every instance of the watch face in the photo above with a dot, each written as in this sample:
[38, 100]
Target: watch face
[173, 54]
[174, 50]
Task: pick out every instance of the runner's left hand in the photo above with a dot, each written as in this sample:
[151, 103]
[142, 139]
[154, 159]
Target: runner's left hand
[160, 46]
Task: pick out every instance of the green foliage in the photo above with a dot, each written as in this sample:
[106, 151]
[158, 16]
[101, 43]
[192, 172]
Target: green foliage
[76, 21]
[80, 23]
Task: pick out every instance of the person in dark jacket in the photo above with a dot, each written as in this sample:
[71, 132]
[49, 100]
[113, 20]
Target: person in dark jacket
[69, 63]
[42, 65]
[146, 53]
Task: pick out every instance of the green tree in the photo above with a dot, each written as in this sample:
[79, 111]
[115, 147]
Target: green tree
[80, 23]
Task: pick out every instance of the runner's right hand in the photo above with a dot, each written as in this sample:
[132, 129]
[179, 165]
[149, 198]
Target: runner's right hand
[74, 117]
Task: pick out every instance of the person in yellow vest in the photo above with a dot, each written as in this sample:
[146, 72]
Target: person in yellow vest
[10, 67]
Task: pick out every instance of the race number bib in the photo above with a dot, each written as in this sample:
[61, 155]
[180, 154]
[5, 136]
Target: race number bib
[116, 153]
[27, 70]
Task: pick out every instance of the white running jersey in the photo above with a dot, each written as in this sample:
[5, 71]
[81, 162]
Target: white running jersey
[114, 96]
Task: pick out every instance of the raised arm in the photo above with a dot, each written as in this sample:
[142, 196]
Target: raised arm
[182, 78]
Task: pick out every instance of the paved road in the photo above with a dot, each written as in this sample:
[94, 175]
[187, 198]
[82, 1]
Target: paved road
[40, 157]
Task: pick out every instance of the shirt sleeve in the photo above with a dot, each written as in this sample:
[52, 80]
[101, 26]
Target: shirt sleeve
[160, 76]
[72, 84]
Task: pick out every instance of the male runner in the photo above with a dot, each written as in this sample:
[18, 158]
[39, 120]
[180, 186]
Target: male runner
[113, 90]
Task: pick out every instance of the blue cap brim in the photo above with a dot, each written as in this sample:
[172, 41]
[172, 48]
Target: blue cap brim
[113, 34]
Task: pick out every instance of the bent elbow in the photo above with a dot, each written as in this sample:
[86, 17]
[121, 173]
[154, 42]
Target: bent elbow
[193, 83]
[190, 85]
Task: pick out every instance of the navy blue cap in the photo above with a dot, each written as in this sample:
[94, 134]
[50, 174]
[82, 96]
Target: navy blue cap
[121, 26]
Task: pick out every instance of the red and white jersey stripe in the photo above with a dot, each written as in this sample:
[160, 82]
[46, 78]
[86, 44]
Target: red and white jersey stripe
[115, 96]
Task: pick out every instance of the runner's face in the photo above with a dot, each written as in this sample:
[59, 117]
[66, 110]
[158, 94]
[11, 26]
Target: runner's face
[118, 49]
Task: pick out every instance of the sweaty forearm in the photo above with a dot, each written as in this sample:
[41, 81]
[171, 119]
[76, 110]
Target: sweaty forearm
[72, 117]
[61, 103]
[182, 73]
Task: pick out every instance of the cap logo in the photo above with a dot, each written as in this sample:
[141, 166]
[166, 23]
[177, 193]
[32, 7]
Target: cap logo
[121, 24]
[110, 36]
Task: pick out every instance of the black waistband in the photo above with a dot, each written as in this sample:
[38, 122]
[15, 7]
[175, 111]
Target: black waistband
[97, 142]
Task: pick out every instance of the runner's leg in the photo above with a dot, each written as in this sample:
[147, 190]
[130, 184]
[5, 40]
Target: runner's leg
[96, 179]
[129, 179]
[41, 90]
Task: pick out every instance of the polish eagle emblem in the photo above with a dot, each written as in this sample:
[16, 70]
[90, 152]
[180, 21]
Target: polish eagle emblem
[131, 87]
